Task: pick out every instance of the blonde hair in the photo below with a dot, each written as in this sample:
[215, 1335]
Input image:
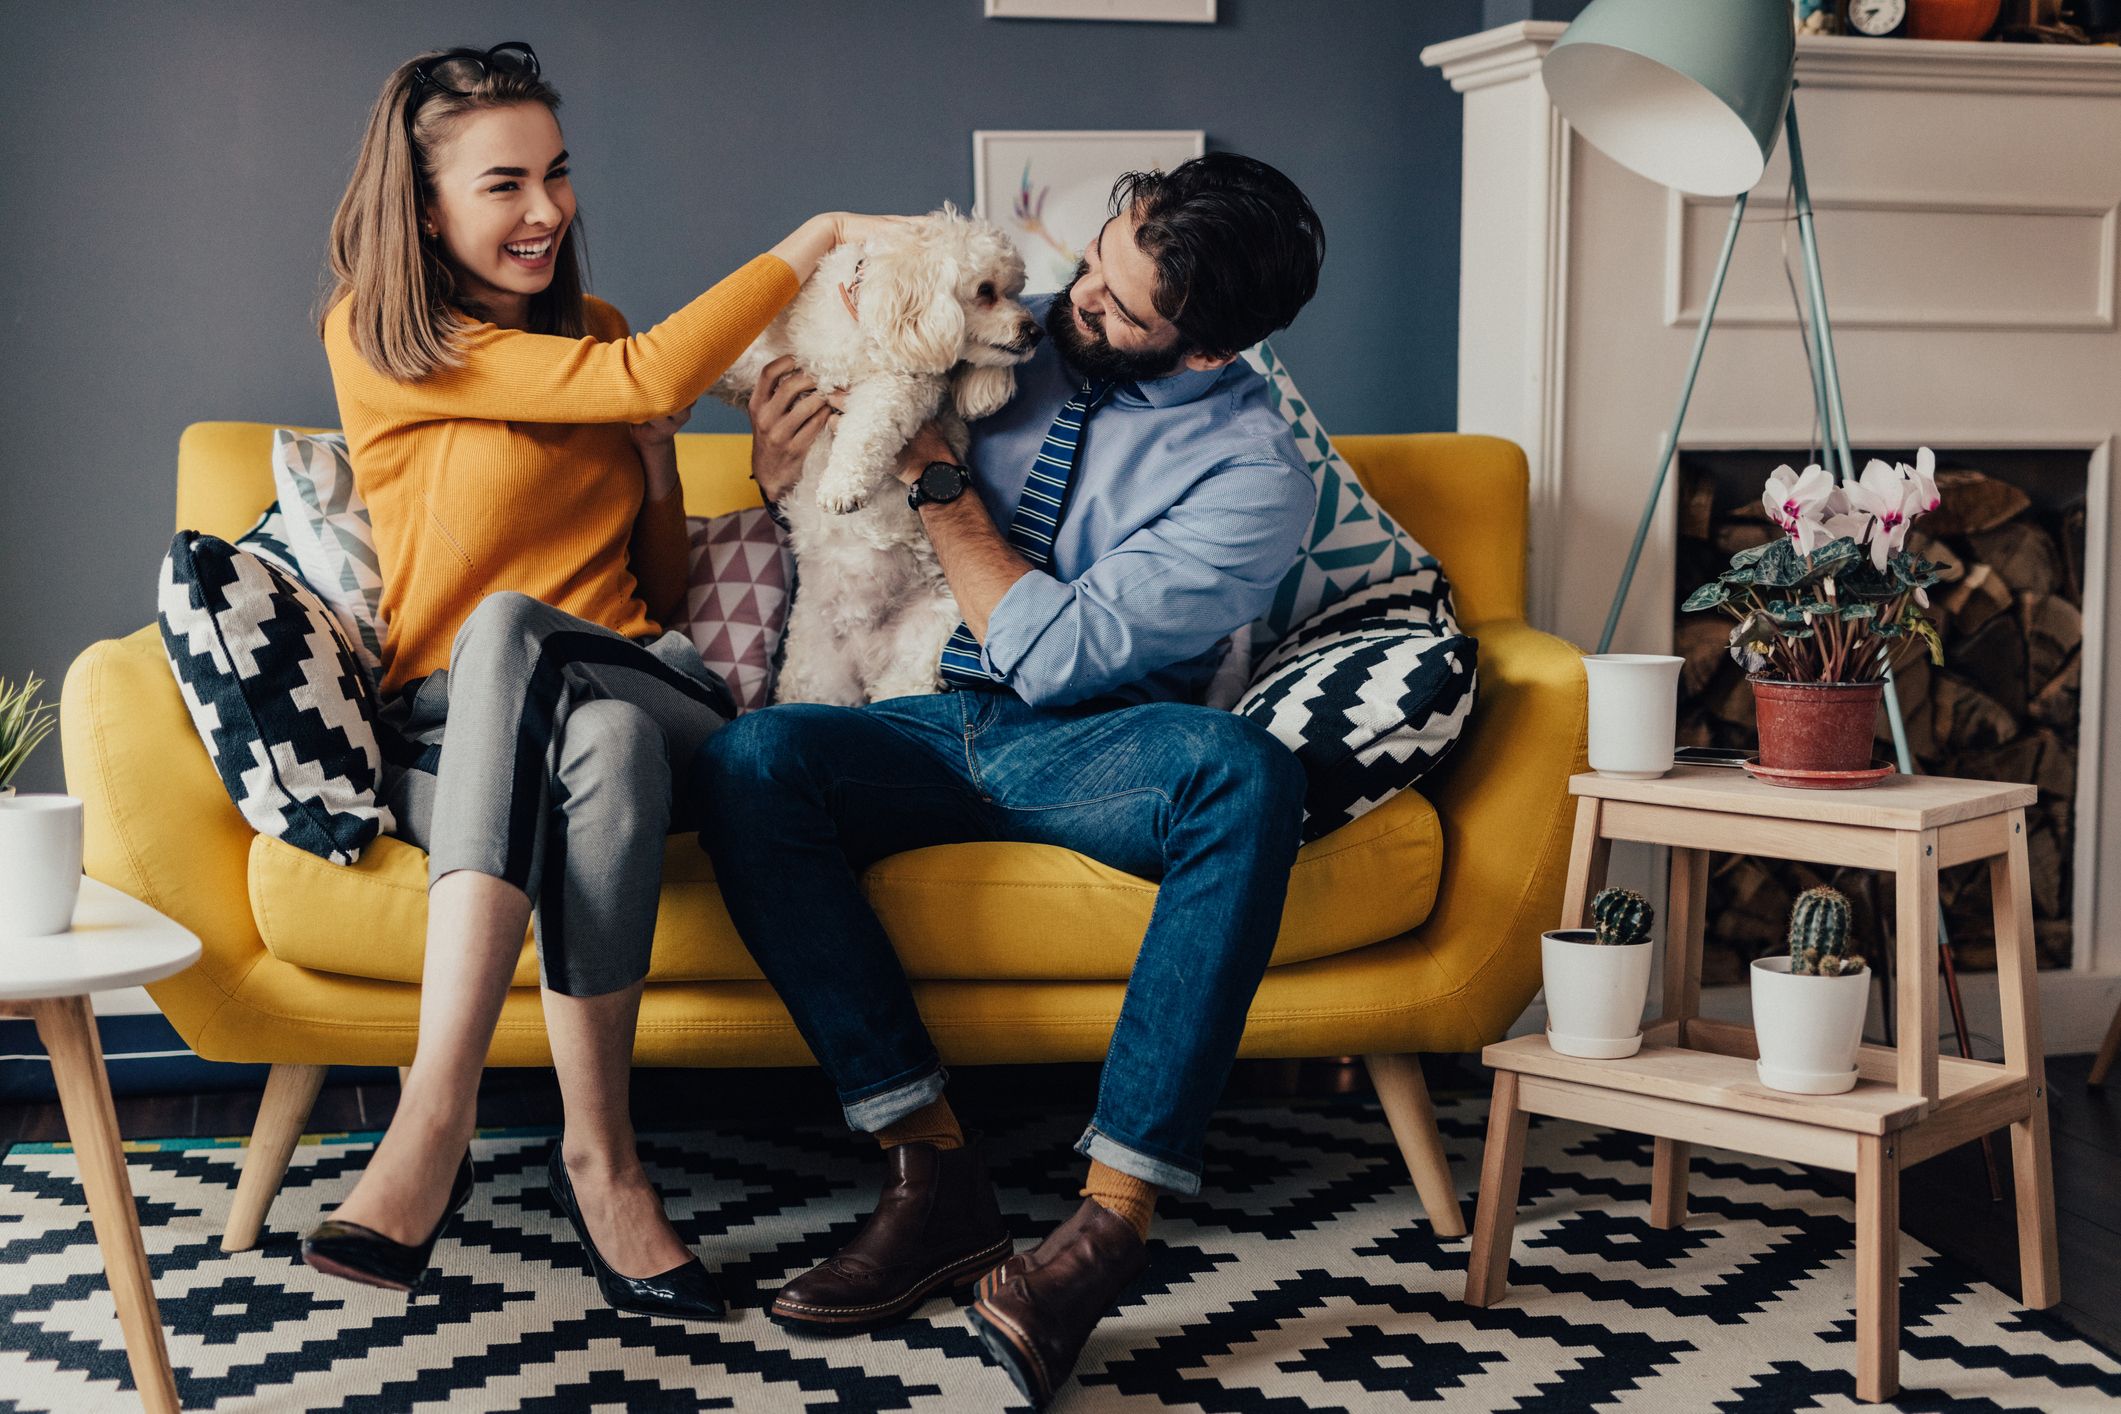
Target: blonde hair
[407, 314]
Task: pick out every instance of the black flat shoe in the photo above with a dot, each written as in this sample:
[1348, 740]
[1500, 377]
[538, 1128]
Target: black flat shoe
[686, 1291]
[357, 1253]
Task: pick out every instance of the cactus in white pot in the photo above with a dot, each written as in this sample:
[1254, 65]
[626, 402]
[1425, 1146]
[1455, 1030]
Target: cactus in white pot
[1597, 978]
[1809, 1002]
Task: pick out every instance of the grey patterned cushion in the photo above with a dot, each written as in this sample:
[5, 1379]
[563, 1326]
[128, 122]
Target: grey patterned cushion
[1370, 694]
[282, 704]
[326, 528]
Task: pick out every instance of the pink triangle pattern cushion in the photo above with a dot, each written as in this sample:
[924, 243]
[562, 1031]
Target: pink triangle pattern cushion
[736, 599]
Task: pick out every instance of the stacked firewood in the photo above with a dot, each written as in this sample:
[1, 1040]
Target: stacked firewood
[2002, 707]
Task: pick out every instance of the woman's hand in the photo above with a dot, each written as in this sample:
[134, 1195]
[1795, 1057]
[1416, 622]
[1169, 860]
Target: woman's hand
[658, 431]
[656, 441]
[814, 239]
[787, 411]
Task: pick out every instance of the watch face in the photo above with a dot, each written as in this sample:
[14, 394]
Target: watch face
[1876, 16]
[940, 481]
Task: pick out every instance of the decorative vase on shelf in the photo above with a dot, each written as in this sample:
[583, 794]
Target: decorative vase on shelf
[1951, 19]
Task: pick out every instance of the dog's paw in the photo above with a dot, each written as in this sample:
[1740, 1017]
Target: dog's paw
[841, 499]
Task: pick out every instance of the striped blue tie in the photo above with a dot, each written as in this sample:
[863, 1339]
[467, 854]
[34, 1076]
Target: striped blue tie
[1037, 520]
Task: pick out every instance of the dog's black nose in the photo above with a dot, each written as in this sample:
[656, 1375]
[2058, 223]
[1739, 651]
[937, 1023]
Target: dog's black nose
[1028, 336]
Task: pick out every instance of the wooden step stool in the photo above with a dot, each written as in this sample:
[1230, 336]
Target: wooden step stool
[1693, 1080]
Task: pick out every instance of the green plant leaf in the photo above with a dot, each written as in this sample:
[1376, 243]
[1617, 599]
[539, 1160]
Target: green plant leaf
[1713, 595]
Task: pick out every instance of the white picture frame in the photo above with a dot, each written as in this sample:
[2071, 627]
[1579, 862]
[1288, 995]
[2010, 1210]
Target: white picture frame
[1050, 190]
[1187, 12]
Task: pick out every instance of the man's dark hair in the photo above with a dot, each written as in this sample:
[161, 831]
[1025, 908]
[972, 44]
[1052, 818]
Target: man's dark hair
[1237, 247]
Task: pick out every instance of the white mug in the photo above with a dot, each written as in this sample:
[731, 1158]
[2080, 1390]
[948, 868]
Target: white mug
[1634, 713]
[40, 864]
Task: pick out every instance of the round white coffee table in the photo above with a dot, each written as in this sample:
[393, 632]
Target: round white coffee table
[116, 941]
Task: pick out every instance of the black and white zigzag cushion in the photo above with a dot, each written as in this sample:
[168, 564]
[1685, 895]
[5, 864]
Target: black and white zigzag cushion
[277, 696]
[1370, 694]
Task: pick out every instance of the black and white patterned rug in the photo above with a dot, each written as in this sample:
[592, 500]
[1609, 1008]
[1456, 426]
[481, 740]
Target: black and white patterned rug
[1303, 1280]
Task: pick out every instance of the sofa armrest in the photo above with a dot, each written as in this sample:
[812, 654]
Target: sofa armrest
[157, 822]
[1507, 821]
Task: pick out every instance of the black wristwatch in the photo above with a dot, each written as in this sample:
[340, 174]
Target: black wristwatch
[939, 484]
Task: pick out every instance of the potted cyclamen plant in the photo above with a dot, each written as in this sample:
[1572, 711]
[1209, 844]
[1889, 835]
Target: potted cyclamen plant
[1597, 978]
[1825, 609]
[1808, 1003]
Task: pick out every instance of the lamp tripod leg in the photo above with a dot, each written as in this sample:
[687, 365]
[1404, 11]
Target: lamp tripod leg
[1671, 442]
[1838, 436]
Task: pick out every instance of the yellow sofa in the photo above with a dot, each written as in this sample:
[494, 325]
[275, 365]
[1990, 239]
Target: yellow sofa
[1415, 928]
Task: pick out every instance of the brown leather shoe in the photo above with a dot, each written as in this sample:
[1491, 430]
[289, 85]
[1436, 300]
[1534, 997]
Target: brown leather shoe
[1036, 1314]
[937, 1224]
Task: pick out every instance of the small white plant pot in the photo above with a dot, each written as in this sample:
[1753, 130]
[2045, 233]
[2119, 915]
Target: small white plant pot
[40, 864]
[1634, 713]
[1808, 1028]
[1594, 993]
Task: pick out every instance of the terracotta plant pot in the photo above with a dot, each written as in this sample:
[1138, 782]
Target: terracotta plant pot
[1814, 726]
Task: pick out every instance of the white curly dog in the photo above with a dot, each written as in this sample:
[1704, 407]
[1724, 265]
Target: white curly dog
[921, 325]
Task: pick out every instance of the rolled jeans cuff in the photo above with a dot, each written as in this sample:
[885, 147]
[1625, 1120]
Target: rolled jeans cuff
[1172, 1178]
[886, 1107]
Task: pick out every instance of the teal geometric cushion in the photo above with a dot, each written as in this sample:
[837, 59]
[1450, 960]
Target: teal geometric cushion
[1353, 542]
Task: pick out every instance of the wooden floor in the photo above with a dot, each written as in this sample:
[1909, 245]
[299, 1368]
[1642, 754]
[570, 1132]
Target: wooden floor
[1944, 1203]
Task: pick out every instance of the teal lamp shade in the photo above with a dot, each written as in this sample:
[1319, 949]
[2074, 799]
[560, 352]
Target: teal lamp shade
[1689, 93]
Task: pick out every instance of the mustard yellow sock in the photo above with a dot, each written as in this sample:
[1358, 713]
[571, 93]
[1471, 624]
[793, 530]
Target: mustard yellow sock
[1124, 1194]
[933, 1123]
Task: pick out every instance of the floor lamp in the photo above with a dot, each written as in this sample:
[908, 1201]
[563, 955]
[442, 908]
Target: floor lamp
[1694, 96]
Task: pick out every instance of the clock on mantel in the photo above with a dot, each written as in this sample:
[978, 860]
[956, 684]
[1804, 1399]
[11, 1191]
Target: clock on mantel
[1874, 19]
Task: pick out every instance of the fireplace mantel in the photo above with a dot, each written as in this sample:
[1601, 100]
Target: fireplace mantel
[1969, 197]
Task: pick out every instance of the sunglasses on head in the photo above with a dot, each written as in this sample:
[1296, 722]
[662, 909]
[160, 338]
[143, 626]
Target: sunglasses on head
[460, 71]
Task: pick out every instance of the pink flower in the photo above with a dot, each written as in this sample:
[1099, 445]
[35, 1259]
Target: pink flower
[1922, 483]
[1886, 497]
[1797, 503]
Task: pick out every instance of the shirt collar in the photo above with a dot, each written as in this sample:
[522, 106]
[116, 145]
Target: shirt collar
[1167, 391]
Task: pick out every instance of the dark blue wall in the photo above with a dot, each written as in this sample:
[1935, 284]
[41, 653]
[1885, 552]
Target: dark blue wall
[167, 174]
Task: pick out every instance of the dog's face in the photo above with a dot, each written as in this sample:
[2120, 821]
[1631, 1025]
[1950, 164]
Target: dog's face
[946, 293]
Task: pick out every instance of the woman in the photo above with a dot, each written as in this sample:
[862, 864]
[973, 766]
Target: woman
[515, 450]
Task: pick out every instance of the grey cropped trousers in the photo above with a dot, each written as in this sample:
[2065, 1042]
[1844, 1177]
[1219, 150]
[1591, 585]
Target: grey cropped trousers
[547, 755]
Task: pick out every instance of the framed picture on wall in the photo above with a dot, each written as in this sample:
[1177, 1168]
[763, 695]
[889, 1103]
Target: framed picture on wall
[1198, 12]
[1049, 190]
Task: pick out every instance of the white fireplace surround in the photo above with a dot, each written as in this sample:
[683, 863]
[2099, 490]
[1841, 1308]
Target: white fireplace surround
[1968, 197]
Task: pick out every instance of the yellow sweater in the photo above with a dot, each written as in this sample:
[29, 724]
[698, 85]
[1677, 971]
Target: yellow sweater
[515, 471]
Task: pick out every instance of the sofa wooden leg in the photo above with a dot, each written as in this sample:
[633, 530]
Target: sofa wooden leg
[1405, 1096]
[290, 1093]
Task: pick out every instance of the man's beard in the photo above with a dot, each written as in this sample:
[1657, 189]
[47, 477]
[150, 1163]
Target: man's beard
[1094, 355]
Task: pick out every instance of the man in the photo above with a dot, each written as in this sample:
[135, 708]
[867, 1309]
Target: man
[1138, 501]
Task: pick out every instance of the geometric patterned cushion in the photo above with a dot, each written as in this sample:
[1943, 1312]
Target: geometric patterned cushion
[277, 696]
[1370, 695]
[268, 541]
[328, 530]
[736, 599]
[1352, 543]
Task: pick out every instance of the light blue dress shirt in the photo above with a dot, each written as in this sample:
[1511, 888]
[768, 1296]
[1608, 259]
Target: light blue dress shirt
[1189, 504]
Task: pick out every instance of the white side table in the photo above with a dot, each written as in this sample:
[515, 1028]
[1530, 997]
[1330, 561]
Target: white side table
[116, 941]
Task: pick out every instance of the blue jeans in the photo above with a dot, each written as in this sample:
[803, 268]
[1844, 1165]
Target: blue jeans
[800, 799]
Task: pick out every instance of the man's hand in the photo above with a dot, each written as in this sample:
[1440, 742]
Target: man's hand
[927, 446]
[787, 411]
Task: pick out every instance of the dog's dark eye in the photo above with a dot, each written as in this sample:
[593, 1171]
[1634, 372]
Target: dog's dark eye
[986, 292]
